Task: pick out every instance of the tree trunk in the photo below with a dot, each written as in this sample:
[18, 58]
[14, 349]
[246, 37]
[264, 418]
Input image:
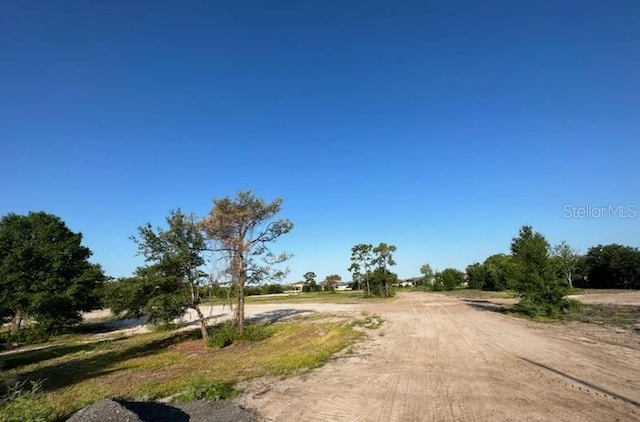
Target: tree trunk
[195, 299]
[239, 317]
[203, 323]
[15, 323]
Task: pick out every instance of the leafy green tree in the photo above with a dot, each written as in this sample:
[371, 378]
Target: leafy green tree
[383, 255]
[427, 275]
[613, 266]
[451, 278]
[537, 282]
[331, 281]
[243, 228]
[476, 275]
[45, 273]
[438, 283]
[383, 258]
[310, 284]
[381, 279]
[499, 272]
[361, 257]
[566, 259]
[172, 279]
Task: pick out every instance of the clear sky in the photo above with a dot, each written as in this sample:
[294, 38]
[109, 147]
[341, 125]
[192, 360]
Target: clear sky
[437, 126]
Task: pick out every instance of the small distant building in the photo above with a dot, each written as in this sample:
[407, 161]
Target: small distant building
[343, 287]
[295, 288]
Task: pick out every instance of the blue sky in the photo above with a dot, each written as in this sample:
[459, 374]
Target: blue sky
[440, 127]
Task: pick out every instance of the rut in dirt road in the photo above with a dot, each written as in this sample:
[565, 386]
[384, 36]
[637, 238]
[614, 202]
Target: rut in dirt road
[439, 359]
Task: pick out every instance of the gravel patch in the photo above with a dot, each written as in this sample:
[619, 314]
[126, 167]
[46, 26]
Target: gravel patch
[117, 410]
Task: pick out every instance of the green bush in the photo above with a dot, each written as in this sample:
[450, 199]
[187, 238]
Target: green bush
[22, 404]
[203, 389]
[225, 334]
[221, 336]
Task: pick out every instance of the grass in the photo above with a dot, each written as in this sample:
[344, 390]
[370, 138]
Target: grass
[168, 364]
[479, 294]
[347, 297]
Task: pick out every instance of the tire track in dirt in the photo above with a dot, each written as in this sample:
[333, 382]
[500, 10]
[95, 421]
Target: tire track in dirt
[442, 360]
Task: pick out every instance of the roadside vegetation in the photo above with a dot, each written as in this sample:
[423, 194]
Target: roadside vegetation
[541, 276]
[69, 375]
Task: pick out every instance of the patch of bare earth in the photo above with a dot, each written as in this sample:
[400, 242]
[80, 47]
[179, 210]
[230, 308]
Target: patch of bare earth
[444, 359]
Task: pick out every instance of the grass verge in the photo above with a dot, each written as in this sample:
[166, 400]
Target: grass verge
[347, 297]
[163, 364]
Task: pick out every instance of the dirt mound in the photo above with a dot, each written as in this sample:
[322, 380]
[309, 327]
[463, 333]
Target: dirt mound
[116, 410]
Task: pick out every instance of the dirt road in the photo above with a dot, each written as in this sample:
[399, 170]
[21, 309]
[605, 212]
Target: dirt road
[443, 359]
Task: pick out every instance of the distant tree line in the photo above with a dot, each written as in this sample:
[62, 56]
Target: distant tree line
[541, 275]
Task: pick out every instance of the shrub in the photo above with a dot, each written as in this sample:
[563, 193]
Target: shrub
[203, 389]
[221, 336]
[225, 334]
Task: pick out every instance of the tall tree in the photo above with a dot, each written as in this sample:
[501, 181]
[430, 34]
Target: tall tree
[383, 255]
[427, 275]
[477, 275]
[361, 256]
[383, 258]
[499, 272]
[243, 228]
[451, 278]
[331, 281]
[382, 279]
[567, 259]
[310, 281]
[175, 257]
[537, 283]
[45, 273]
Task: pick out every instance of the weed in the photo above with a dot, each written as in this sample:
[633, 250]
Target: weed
[22, 403]
[369, 321]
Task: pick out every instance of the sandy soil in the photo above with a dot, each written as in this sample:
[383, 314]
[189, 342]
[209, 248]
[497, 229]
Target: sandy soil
[447, 359]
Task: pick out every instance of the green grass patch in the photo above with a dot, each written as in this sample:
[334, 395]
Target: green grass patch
[22, 402]
[348, 297]
[479, 294]
[168, 364]
[201, 388]
[225, 334]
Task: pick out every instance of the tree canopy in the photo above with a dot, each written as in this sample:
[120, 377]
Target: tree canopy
[612, 266]
[243, 228]
[536, 280]
[45, 273]
[170, 282]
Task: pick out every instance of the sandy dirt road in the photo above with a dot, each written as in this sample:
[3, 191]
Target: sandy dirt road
[446, 359]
